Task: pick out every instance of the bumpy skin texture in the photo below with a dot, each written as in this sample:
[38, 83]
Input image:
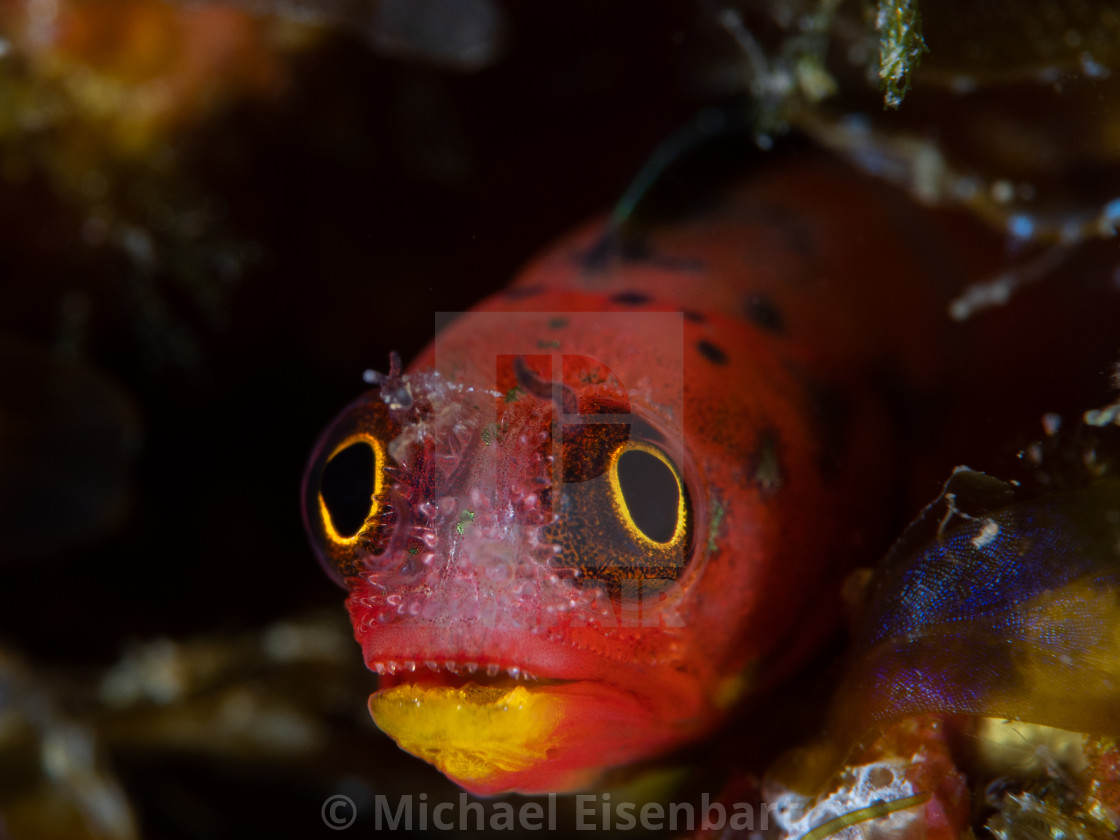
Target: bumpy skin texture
[747, 348]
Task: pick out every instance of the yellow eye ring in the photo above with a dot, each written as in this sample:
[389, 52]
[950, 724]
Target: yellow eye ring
[623, 507]
[379, 460]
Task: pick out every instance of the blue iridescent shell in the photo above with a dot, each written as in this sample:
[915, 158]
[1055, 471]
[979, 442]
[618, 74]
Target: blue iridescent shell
[997, 602]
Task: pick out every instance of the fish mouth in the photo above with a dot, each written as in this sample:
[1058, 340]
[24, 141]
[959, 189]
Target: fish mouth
[480, 724]
[454, 672]
[494, 727]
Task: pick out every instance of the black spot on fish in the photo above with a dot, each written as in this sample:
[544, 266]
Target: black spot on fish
[831, 417]
[557, 323]
[596, 258]
[713, 353]
[529, 381]
[762, 311]
[522, 292]
[694, 316]
[766, 464]
[630, 298]
[612, 247]
[630, 247]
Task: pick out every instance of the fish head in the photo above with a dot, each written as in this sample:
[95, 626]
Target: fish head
[523, 540]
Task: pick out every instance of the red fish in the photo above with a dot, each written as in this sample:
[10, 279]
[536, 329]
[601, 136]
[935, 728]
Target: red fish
[615, 499]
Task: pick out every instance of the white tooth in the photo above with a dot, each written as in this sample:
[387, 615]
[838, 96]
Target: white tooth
[492, 670]
[432, 666]
[453, 667]
[471, 667]
[410, 666]
[514, 672]
[379, 667]
[391, 666]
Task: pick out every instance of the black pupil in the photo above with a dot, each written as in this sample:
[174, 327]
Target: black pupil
[651, 493]
[347, 488]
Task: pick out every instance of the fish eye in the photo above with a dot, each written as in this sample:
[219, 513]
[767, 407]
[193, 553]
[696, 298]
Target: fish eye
[627, 525]
[648, 493]
[346, 488]
[349, 486]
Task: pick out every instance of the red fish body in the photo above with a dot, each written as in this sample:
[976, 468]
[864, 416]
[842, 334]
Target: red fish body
[617, 498]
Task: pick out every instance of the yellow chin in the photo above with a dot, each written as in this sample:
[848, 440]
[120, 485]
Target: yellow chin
[472, 733]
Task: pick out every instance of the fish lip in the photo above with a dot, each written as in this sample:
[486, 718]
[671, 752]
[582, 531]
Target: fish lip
[448, 670]
[406, 654]
[452, 673]
[632, 709]
[462, 668]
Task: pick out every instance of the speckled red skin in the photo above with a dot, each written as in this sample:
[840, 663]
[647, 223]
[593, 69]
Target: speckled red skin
[812, 285]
